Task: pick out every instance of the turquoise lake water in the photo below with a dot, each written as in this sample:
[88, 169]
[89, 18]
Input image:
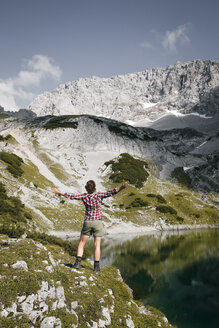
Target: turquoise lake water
[177, 273]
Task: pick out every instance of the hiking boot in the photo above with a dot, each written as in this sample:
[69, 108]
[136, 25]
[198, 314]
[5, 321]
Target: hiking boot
[76, 265]
[96, 267]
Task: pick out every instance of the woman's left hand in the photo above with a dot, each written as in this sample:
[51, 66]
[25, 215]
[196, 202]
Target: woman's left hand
[56, 191]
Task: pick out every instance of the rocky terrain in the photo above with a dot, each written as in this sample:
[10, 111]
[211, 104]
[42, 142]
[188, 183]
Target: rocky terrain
[40, 289]
[173, 176]
[66, 151]
[183, 88]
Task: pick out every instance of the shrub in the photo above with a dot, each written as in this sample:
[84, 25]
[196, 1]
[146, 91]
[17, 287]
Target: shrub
[14, 162]
[196, 215]
[60, 122]
[15, 171]
[12, 208]
[127, 168]
[12, 159]
[161, 199]
[12, 231]
[179, 218]
[138, 202]
[151, 195]
[166, 209]
[5, 138]
[181, 176]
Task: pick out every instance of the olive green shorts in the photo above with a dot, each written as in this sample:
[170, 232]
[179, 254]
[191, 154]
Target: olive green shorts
[94, 228]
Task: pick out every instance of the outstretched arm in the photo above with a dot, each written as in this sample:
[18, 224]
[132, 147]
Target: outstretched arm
[113, 191]
[69, 195]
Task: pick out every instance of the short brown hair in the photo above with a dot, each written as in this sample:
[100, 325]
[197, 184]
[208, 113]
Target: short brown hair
[90, 186]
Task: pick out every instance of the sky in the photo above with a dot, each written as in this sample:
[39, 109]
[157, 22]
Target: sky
[45, 43]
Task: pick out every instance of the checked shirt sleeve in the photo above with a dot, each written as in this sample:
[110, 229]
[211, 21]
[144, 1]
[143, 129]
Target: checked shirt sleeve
[75, 196]
[107, 193]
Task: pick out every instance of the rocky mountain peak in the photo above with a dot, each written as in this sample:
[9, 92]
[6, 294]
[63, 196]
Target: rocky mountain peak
[189, 87]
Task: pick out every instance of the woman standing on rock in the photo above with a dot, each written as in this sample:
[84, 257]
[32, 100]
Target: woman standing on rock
[93, 224]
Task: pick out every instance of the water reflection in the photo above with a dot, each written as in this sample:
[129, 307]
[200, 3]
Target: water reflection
[177, 273]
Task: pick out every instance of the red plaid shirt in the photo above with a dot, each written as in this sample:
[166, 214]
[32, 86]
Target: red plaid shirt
[92, 202]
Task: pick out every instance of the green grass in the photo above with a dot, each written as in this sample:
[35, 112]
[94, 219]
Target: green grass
[32, 174]
[57, 169]
[18, 282]
[60, 122]
[13, 163]
[127, 168]
[3, 116]
[69, 246]
[186, 202]
[14, 217]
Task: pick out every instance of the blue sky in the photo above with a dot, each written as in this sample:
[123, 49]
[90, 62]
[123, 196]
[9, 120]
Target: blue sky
[48, 42]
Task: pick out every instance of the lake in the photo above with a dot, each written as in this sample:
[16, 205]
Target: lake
[178, 273]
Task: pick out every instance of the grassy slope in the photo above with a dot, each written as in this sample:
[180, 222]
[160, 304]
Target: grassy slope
[91, 291]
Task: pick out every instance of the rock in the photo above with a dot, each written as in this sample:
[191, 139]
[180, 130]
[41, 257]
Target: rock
[129, 322]
[52, 259]
[4, 313]
[21, 298]
[20, 265]
[74, 305]
[60, 294]
[51, 322]
[27, 305]
[45, 262]
[106, 314]
[49, 268]
[34, 315]
[83, 283]
[184, 87]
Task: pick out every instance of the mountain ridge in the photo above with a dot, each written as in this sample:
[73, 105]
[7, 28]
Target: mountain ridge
[189, 87]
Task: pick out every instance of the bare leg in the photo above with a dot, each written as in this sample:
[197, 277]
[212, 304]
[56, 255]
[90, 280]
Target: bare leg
[97, 242]
[82, 242]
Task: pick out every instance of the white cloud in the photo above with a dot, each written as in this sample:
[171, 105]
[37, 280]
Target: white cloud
[178, 36]
[146, 45]
[35, 70]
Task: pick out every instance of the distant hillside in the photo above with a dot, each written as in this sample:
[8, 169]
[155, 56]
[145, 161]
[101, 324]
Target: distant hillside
[173, 175]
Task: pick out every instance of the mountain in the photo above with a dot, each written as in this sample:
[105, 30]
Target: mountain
[139, 98]
[173, 175]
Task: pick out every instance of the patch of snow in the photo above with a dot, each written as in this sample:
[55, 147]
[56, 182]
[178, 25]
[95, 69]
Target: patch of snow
[186, 168]
[130, 122]
[149, 105]
[201, 144]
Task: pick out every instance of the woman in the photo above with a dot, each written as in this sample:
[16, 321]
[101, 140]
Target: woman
[93, 224]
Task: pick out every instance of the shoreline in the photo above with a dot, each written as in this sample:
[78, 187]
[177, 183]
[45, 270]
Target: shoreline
[131, 229]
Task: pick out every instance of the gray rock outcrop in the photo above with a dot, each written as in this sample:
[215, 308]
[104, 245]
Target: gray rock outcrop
[190, 87]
